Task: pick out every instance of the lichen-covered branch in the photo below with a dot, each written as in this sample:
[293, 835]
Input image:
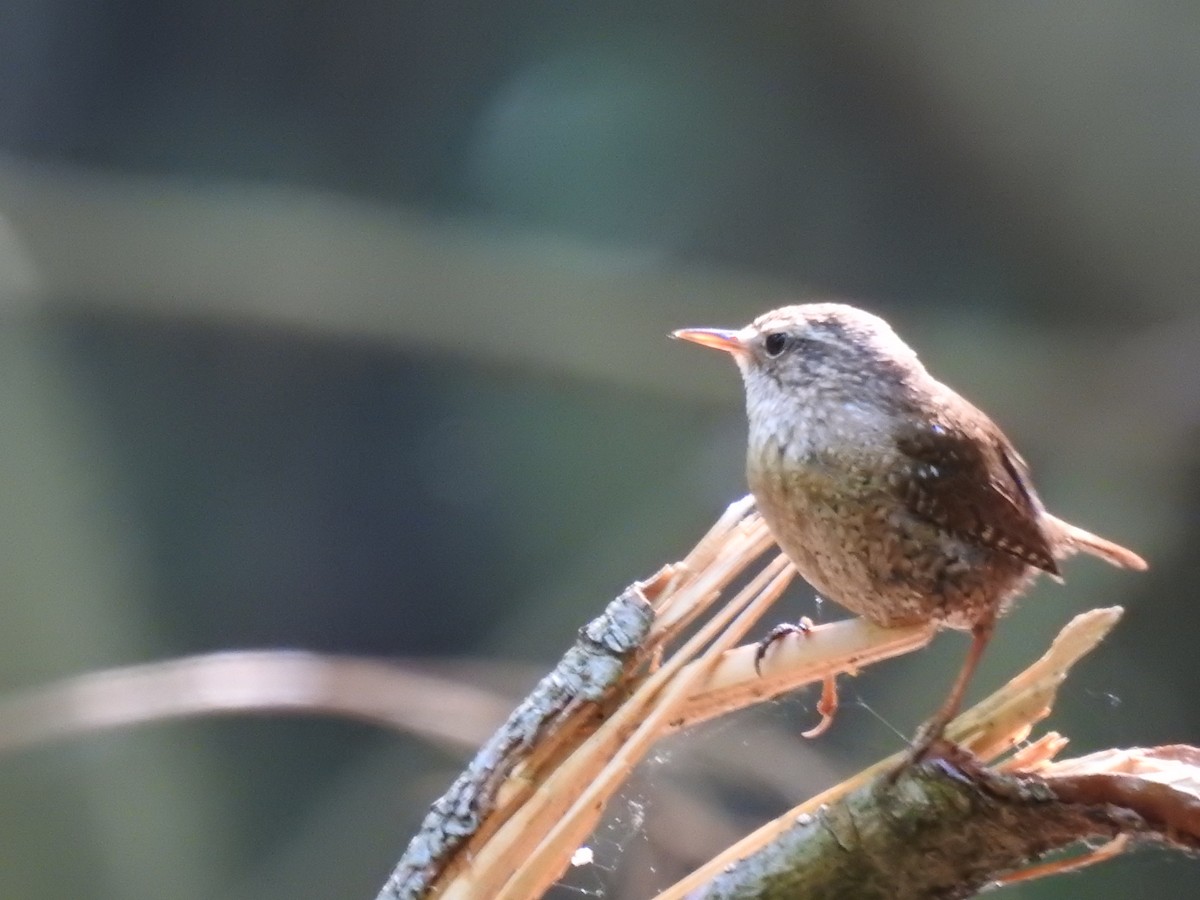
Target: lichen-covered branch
[944, 829]
[605, 664]
[587, 671]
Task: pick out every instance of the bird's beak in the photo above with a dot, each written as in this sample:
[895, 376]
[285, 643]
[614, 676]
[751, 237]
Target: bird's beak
[717, 338]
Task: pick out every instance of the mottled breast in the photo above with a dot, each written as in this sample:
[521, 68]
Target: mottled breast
[851, 535]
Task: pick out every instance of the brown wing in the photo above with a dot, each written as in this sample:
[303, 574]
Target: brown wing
[970, 481]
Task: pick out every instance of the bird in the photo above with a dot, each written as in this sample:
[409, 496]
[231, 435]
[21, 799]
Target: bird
[891, 494]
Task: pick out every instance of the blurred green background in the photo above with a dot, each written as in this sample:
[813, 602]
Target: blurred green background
[342, 327]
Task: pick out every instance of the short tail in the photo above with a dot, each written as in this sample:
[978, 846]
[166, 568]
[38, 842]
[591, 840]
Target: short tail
[1078, 539]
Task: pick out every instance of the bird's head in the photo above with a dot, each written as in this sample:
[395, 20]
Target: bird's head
[813, 354]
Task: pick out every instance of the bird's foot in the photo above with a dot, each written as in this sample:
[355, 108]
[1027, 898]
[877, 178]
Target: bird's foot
[927, 737]
[928, 743]
[828, 704]
[803, 627]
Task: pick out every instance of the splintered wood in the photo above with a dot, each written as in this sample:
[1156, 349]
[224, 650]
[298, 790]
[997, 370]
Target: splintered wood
[663, 657]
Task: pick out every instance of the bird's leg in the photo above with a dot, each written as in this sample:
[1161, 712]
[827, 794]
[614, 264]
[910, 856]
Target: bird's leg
[931, 732]
[828, 703]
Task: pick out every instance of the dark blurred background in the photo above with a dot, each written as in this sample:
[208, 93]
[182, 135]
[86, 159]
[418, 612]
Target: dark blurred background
[342, 327]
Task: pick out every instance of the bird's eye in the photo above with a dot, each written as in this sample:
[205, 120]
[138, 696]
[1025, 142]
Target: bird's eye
[774, 343]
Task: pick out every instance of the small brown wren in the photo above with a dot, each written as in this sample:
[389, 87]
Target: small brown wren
[891, 494]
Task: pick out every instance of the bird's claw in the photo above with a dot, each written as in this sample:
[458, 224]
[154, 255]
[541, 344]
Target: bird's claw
[928, 743]
[828, 703]
[803, 627]
[929, 734]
